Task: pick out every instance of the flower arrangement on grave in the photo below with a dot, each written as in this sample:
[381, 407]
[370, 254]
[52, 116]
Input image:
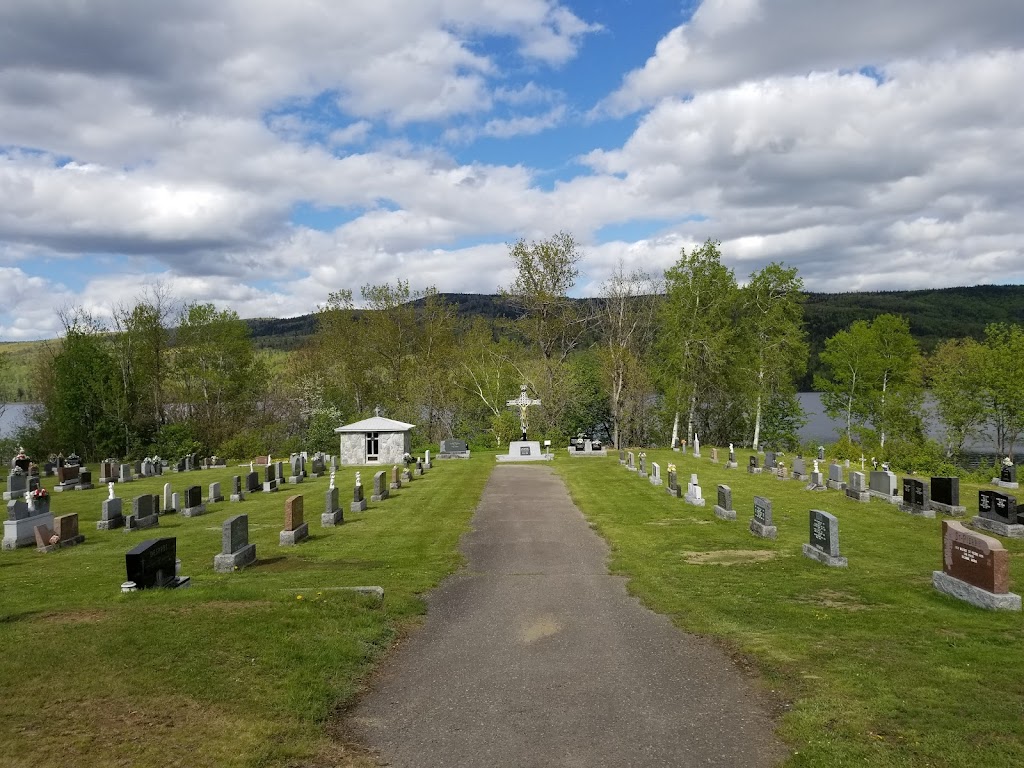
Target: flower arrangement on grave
[409, 458]
[671, 467]
[39, 493]
[643, 455]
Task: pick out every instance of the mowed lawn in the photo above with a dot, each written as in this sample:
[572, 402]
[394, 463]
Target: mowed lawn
[242, 669]
[867, 665]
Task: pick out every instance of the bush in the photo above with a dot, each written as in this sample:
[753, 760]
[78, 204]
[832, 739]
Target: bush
[176, 440]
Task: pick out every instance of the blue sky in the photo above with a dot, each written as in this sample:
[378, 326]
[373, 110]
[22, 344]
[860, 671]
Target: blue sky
[261, 154]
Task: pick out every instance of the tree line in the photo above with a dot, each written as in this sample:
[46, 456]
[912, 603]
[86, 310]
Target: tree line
[654, 359]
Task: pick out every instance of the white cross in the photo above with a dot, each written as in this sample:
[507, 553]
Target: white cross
[523, 402]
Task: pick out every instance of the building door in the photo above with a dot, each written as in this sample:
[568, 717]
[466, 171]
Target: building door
[372, 445]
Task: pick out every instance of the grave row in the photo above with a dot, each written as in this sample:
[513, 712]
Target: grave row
[975, 566]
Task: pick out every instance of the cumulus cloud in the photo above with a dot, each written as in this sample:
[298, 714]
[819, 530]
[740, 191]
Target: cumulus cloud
[730, 41]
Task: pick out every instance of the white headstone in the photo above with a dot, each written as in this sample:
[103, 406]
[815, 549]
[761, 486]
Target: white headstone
[332, 481]
[359, 479]
[110, 490]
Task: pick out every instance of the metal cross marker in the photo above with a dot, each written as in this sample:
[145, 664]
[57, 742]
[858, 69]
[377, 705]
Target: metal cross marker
[523, 402]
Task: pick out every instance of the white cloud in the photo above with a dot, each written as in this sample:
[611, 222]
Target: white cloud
[730, 41]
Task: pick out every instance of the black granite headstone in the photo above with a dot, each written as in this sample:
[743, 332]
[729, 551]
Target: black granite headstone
[152, 563]
[946, 490]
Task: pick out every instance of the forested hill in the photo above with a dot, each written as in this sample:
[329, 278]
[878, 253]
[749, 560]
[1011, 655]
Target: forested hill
[934, 315]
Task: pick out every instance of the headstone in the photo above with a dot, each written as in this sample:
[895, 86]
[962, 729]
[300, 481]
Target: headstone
[19, 527]
[752, 465]
[427, 463]
[270, 478]
[824, 543]
[296, 469]
[112, 516]
[295, 529]
[454, 449]
[153, 564]
[799, 469]
[945, 496]
[835, 477]
[419, 468]
[406, 474]
[723, 509]
[883, 485]
[997, 512]
[332, 514]
[168, 500]
[63, 534]
[1007, 475]
[694, 494]
[237, 494]
[17, 484]
[215, 494]
[109, 471]
[916, 498]
[857, 489]
[279, 472]
[714, 455]
[769, 460]
[358, 500]
[821, 453]
[975, 568]
[84, 480]
[175, 502]
[148, 468]
[252, 482]
[655, 478]
[673, 483]
[317, 467]
[642, 467]
[696, 447]
[622, 456]
[630, 462]
[144, 513]
[731, 463]
[396, 481]
[194, 506]
[761, 524]
[380, 487]
[235, 550]
[125, 475]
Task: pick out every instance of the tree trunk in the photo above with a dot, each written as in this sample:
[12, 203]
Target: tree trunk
[675, 430]
[689, 420]
[757, 423]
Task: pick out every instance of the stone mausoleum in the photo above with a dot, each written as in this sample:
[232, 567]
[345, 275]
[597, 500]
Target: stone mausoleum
[376, 440]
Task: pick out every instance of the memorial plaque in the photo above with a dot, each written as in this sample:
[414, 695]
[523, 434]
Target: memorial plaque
[725, 497]
[152, 563]
[976, 559]
[763, 511]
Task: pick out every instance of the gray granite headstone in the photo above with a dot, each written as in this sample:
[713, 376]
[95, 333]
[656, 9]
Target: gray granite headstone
[824, 539]
[723, 509]
[236, 551]
[762, 524]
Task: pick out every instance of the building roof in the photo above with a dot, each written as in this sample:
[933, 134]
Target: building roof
[376, 424]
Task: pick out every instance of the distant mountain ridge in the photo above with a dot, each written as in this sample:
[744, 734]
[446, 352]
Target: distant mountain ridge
[934, 314]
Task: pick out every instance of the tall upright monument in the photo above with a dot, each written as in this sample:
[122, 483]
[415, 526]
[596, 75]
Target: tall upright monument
[524, 450]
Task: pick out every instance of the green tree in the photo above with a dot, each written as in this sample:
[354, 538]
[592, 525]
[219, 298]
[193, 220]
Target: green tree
[551, 324]
[956, 377]
[1004, 383]
[773, 324]
[848, 364]
[217, 371]
[625, 317]
[698, 330]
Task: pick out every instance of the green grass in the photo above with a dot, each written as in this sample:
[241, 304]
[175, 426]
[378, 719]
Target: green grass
[869, 664]
[236, 671]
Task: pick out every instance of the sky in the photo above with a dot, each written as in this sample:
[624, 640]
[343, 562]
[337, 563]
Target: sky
[260, 154]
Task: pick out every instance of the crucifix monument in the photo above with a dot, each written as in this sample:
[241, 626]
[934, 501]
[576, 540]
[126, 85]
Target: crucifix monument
[524, 450]
[522, 403]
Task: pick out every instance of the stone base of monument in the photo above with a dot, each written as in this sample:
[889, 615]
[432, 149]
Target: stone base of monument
[111, 524]
[948, 509]
[835, 485]
[214, 499]
[763, 531]
[294, 479]
[912, 509]
[886, 497]
[722, 513]
[270, 487]
[755, 470]
[381, 497]
[133, 523]
[357, 506]
[61, 544]
[227, 563]
[694, 500]
[1004, 483]
[525, 450]
[654, 480]
[630, 469]
[731, 465]
[395, 486]
[84, 487]
[463, 455]
[641, 473]
[801, 478]
[862, 496]
[674, 492]
[824, 557]
[290, 538]
[237, 497]
[406, 476]
[331, 519]
[815, 487]
[1014, 531]
[573, 452]
[194, 511]
[418, 471]
[316, 475]
[975, 595]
